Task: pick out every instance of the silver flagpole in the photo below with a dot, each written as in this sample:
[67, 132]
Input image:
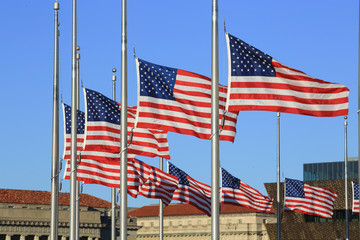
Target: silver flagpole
[74, 92]
[77, 217]
[123, 157]
[55, 134]
[346, 181]
[215, 123]
[358, 112]
[161, 209]
[113, 190]
[278, 179]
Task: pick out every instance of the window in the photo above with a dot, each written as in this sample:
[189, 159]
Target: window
[189, 222]
[170, 223]
[180, 223]
[240, 221]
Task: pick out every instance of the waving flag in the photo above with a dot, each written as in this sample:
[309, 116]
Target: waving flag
[155, 183]
[103, 130]
[179, 101]
[102, 170]
[235, 191]
[191, 191]
[67, 136]
[301, 197]
[259, 82]
[355, 204]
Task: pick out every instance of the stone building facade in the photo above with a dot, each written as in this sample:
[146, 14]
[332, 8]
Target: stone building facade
[25, 215]
[298, 226]
[183, 221]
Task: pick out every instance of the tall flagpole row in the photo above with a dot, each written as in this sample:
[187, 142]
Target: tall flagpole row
[346, 180]
[123, 157]
[73, 161]
[215, 233]
[113, 190]
[54, 221]
[278, 203]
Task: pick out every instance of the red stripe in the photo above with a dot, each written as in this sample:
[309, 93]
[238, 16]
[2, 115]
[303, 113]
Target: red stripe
[288, 98]
[191, 74]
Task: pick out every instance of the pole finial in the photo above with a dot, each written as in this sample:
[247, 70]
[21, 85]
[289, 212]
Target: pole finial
[114, 76]
[56, 6]
[77, 48]
[134, 53]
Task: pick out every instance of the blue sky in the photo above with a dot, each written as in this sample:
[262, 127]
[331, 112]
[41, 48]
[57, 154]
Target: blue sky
[317, 37]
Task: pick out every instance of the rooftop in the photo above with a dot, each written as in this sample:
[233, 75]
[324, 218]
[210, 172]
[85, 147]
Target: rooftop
[44, 198]
[184, 209]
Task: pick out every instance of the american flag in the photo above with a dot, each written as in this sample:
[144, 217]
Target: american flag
[179, 101]
[67, 136]
[355, 205]
[235, 191]
[259, 82]
[191, 191]
[100, 159]
[155, 183]
[105, 172]
[104, 134]
[311, 200]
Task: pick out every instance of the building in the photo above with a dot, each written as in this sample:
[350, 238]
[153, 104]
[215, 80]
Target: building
[297, 226]
[330, 170]
[183, 221]
[25, 215]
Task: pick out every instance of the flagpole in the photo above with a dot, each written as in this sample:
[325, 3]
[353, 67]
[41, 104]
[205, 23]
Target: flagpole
[123, 157]
[113, 190]
[77, 217]
[161, 209]
[74, 92]
[346, 181]
[215, 235]
[278, 179]
[55, 134]
[359, 109]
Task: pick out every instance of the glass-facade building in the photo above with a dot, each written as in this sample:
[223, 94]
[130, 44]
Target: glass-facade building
[330, 170]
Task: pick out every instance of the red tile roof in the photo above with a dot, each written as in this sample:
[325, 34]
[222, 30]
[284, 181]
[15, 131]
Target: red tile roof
[44, 198]
[184, 209]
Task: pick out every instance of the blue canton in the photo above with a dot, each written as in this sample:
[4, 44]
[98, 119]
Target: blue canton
[156, 80]
[80, 120]
[180, 174]
[229, 180]
[101, 108]
[294, 188]
[249, 61]
[356, 191]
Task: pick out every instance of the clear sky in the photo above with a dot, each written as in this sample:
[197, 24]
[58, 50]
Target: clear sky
[317, 37]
